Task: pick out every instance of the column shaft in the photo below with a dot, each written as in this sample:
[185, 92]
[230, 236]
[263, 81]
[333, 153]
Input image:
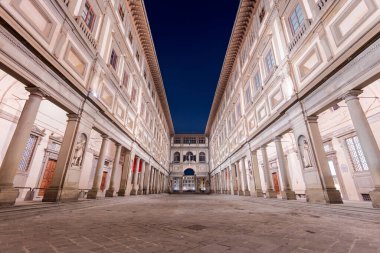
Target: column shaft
[111, 189]
[124, 174]
[270, 193]
[256, 175]
[135, 186]
[245, 180]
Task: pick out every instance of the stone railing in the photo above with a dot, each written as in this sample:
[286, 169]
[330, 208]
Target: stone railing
[86, 31]
[300, 33]
[321, 4]
[66, 2]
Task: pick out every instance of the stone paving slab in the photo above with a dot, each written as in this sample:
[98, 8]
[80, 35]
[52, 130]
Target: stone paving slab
[192, 223]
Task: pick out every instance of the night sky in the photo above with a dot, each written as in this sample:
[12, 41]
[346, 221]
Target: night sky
[191, 39]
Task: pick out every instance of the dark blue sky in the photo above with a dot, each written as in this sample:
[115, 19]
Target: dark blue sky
[191, 39]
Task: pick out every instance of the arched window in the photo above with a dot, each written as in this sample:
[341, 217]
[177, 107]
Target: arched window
[189, 157]
[202, 157]
[177, 157]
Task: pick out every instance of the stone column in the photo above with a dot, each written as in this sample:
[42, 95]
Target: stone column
[124, 174]
[111, 190]
[256, 175]
[245, 180]
[52, 193]
[151, 191]
[94, 192]
[239, 178]
[141, 183]
[147, 179]
[332, 195]
[235, 186]
[367, 141]
[181, 184]
[231, 178]
[287, 192]
[17, 145]
[135, 186]
[270, 193]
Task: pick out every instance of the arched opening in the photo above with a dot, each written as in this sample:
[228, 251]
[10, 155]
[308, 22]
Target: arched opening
[189, 172]
[176, 157]
[189, 157]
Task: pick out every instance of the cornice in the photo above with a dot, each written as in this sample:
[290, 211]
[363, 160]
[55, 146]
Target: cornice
[243, 17]
[140, 20]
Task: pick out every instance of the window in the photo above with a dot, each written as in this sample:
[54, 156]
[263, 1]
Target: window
[269, 61]
[121, 11]
[133, 94]
[113, 59]
[138, 56]
[202, 157]
[356, 154]
[238, 111]
[125, 80]
[258, 83]
[262, 15]
[189, 140]
[201, 140]
[28, 153]
[145, 75]
[189, 157]
[296, 19]
[130, 37]
[177, 140]
[177, 157]
[247, 95]
[88, 15]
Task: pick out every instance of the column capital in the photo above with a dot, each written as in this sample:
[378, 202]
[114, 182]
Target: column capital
[263, 146]
[277, 138]
[312, 119]
[72, 117]
[36, 91]
[117, 144]
[104, 136]
[351, 94]
[254, 152]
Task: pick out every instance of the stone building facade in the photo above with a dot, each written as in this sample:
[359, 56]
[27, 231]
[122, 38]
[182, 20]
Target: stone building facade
[297, 111]
[83, 110]
[189, 169]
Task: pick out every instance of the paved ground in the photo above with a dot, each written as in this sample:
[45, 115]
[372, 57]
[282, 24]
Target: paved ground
[190, 223]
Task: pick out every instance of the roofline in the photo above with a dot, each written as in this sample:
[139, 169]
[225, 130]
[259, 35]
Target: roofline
[242, 20]
[141, 22]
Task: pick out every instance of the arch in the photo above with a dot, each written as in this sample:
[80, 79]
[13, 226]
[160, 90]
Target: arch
[202, 157]
[176, 157]
[189, 157]
[189, 172]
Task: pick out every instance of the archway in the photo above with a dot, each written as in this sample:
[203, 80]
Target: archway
[188, 180]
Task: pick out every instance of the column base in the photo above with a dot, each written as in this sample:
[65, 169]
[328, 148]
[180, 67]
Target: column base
[315, 196]
[121, 193]
[110, 193]
[94, 194]
[270, 194]
[241, 193]
[375, 197]
[288, 195]
[133, 192]
[247, 193]
[236, 192]
[63, 195]
[140, 192]
[8, 196]
[333, 196]
[258, 194]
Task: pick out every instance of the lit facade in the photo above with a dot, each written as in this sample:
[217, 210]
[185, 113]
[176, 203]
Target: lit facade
[296, 110]
[83, 108]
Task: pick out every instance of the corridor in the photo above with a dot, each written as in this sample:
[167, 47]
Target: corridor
[190, 223]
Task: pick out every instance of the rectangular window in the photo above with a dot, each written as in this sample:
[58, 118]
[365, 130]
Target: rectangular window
[138, 56]
[356, 154]
[201, 140]
[130, 37]
[262, 15]
[121, 11]
[133, 94]
[238, 111]
[177, 140]
[248, 96]
[258, 83]
[27, 154]
[125, 80]
[269, 61]
[296, 19]
[113, 59]
[88, 15]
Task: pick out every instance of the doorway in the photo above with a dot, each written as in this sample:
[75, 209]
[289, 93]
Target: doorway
[47, 177]
[276, 184]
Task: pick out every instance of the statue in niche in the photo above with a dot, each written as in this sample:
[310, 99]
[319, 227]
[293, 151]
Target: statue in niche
[305, 152]
[250, 169]
[79, 150]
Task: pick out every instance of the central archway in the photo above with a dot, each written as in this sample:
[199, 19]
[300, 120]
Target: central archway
[189, 172]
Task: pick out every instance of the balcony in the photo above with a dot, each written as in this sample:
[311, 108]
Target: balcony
[300, 33]
[321, 4]
[86, 31]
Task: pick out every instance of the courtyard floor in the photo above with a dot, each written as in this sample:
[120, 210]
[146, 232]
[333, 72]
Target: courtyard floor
[189, 223]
